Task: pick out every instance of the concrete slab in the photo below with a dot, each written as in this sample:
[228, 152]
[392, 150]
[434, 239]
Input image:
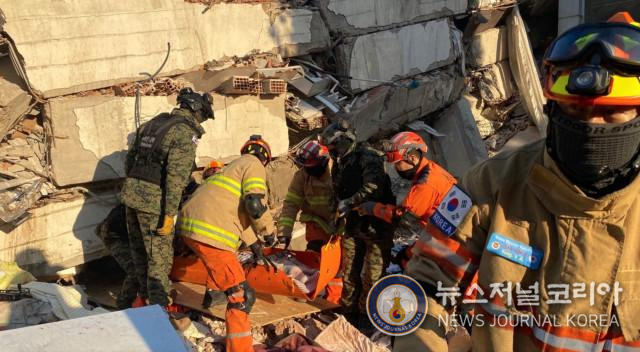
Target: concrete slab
[356, 17]
[461, 147]
[57, 236]
[14, 103]
[488, 47]
[383, 110]
[79, 45]
[396, 54]
[143, 329]
[92, 134]
[497, 83]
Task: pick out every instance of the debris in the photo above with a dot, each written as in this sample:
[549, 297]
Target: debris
[15, 294]
[68, 302]
[525, 71]
[462, 143]
[25, 312]
[11, 274]
[14, 104]
[143, 329]
[342, 336]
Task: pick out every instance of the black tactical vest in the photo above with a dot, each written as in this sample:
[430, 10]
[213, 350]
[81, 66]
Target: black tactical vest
[150, 160]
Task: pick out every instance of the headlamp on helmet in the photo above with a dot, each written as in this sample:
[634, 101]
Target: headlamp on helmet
[258, 147]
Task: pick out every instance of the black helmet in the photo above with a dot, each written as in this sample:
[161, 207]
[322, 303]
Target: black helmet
[339, 138]
[195, 102]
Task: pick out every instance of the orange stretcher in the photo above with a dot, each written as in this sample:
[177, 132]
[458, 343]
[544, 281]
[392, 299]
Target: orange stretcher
[265, 280]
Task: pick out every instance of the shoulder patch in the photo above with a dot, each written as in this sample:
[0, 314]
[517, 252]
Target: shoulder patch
[454, 207]
[515, 251]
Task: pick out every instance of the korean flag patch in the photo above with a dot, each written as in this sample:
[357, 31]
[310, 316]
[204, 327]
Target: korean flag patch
[453, 208]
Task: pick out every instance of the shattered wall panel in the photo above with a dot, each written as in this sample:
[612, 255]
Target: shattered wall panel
[14, 103]
[57, 236]
[462, 146]
[92, 134]
[385, 109]
[489, 47]
[80, 45]
[525, 71]
[353, 17]
[396, 53]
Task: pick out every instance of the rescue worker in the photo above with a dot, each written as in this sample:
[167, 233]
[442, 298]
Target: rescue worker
[358, 176]
[310, 193]
[558, 215]
[430, 182]
[158, 166]
[213, 223]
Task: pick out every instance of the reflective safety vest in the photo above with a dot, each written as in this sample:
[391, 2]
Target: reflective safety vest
[215, 213]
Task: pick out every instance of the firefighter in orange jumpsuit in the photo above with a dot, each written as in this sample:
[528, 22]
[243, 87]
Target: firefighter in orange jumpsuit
[213, 223]
[430, 182]
[310, 193]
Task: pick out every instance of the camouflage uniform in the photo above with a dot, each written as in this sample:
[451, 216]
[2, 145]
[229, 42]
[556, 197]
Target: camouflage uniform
[113, 232]
[359, 175]
[148, 203]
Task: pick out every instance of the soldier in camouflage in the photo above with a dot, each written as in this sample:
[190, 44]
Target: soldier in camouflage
[358, 176]
[158, 167]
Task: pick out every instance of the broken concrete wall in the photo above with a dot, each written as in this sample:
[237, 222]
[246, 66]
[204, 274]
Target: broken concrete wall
[57, 236]
[79, 45]
[496, 83]
[462, 146]
[397, 53]
[355, 17]
[14, 103]
[488, 47]
[385, 109]
[92, 134]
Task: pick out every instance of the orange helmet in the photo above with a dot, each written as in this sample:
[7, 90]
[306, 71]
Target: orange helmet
[403, 143]
[258, 147]
[213, 168]
[312, 154]
[596, 64]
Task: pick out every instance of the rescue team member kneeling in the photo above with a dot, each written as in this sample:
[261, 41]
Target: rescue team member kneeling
[557, 221]
[213, 223]
[158, 166]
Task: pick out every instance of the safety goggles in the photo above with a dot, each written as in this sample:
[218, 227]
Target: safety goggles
[617, 45]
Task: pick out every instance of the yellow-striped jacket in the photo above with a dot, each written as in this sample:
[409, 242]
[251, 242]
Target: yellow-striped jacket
[215, 213]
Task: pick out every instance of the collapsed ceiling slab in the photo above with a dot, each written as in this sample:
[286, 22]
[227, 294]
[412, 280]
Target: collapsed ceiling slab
[80, 45]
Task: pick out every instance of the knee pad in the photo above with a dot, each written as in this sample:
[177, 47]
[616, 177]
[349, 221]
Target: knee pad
[249, 297]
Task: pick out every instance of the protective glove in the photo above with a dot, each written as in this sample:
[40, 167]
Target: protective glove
[167, 226]
[286, 240]
[256, 248]
[344, 206]
[367, 209]
[270, 240]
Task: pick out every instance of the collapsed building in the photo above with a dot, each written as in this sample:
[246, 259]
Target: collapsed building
[78, 77]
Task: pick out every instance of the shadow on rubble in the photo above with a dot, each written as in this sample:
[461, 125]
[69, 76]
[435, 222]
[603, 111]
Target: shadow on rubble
[35, 261]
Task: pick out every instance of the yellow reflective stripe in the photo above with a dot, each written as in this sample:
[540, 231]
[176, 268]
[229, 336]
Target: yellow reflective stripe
[286, 221]
[293, 198]
[321, 222]
[202, 228]
[625, 87]
[582, 42]
[253, 182]
[227, 183]
[319, 200]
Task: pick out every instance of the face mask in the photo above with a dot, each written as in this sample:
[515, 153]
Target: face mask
[317, 170]
[598, 158]
[408, 174]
